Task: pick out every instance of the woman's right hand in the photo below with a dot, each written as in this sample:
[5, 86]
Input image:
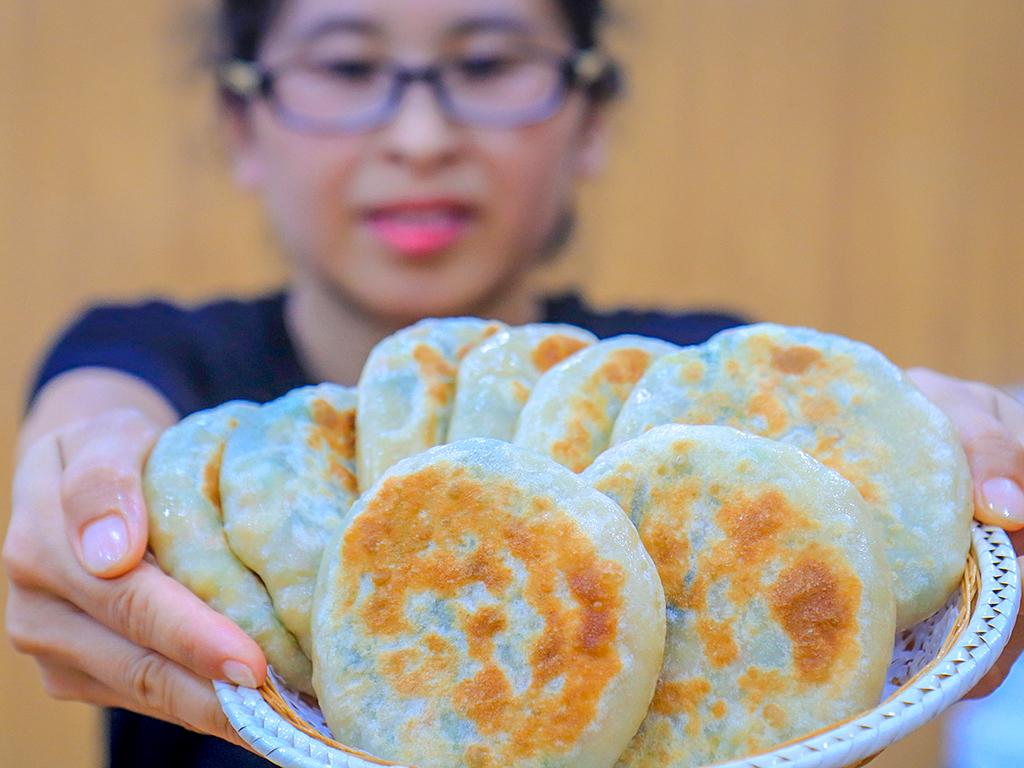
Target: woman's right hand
[105, 625]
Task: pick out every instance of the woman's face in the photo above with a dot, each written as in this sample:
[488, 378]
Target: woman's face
[422, 215]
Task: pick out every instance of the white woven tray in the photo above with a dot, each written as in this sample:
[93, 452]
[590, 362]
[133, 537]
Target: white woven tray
[934, 664]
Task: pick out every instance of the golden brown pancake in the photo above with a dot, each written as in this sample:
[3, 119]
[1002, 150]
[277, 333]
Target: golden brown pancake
[406, 390]
[569, 415]
[181, 482]
[845, 404]
[497, 376]
[779, 601]
[287, 480]
[483, 606]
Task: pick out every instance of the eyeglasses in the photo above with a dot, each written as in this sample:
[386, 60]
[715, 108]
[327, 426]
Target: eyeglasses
[348, 96]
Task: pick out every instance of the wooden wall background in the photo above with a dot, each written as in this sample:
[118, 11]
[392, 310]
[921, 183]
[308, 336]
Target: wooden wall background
[855, 165]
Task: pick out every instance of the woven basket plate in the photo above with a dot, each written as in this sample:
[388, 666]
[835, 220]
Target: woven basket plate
[933, 665]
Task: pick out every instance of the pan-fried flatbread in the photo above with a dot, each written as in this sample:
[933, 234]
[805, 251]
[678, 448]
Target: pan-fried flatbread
[780, 609]
[483, 606]
[497, 376]
[182, 488]
[845, 404]
[406, 390]
[569, 415]
[287, 480]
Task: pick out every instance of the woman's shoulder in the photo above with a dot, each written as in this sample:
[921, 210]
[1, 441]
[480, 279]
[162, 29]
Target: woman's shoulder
[194, 353]
[679, 327]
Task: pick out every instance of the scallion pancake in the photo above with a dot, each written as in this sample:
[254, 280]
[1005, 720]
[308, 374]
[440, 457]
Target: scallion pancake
[842, 402]
[181, 482]
[497, 376]
[406, 390]
[483, 606]
[571, 411]
[287, 480]
[779, 597]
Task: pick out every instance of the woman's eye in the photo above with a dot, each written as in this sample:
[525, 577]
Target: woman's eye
[485, 67]
[354, 70]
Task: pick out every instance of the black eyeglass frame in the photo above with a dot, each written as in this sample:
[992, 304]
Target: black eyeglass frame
[248, 80]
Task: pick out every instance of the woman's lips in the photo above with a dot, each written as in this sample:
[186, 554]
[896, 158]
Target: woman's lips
[420, 229]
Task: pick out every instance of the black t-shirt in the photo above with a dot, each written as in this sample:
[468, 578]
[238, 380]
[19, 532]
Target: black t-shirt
[240, 350]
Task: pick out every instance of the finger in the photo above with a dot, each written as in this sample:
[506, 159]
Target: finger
[155, 611]
[65, 683]
[991, 428]
[144, 680]
[101, 490]
[996, 458]
[145, 605]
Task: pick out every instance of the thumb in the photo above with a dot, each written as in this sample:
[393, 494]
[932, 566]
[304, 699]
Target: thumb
[101, 490]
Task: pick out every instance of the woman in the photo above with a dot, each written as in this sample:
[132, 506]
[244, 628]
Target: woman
[415, 158]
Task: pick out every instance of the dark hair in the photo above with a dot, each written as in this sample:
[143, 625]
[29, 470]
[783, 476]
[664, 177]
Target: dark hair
[242, 24]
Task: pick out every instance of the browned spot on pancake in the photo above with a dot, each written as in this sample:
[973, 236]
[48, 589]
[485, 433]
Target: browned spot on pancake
[752, 527]
[818, 409]
[479, 756]
[719, 709]
[412, 538]
[767, 406]
[575, 449]
[680, 447]
[760, 685]
[794, 360]
[335, 428]
[486, 333]
[554, 349]
[775, 715]
[719, 646]
[336, 431]
[211, 477]
[815, 599]
[623, 368]
[521, 392]
[663, 533]
[693, 372]
[675, 697]
[480, 629]
[485, 699]
[437, 373]
[669, 548]
[413, 673]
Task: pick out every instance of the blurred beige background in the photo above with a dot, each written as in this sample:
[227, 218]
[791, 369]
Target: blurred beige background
[855, 165]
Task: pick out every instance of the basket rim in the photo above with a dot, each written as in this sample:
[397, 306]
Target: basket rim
[990, 599]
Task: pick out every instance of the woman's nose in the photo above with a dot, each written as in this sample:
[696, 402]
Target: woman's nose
[420, 134]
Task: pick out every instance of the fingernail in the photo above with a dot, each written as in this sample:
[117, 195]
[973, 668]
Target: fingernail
[104, 543]
[1005, 499]
[238, 673]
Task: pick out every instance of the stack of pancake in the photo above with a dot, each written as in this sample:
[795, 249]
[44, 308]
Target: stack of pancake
[523, 546]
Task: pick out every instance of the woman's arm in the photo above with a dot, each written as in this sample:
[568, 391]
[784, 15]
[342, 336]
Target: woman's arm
[106, 626]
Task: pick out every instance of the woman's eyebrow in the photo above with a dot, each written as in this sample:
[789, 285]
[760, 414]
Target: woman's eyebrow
[356, 24]
[491, 24]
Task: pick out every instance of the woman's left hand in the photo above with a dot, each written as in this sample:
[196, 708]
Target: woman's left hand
[991, 427]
